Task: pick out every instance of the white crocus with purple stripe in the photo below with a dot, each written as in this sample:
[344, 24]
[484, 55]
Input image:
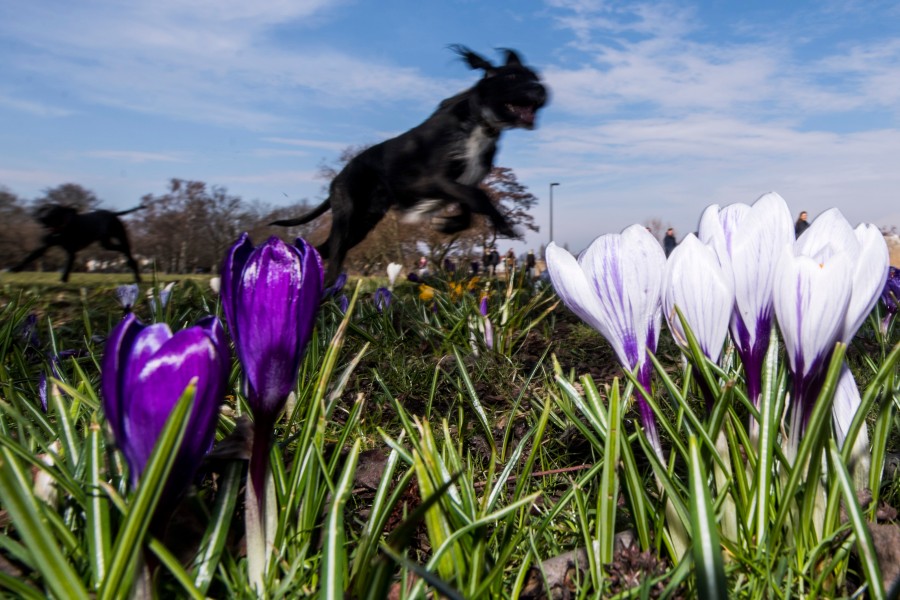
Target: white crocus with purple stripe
[812, 295]
[748, 241]
[615, 287]
[695, 282]
[868, 255]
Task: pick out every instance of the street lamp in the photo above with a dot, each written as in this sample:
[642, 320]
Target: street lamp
[552, 185]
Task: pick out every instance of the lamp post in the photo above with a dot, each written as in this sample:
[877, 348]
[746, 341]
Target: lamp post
[552, 185]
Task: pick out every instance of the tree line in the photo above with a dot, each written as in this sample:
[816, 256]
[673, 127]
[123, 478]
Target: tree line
[188, 228]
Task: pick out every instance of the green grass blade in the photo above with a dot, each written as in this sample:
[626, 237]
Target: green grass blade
[867, 555]
[334, 560]
[710, 568]
[609, 480]
[472, 395]
[219, 523]
[97, 507]
[17, 499]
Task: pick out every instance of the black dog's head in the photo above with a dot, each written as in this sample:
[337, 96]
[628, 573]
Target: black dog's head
[54, 216]
[511, 94]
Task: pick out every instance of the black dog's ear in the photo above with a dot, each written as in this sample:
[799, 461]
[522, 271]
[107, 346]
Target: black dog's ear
[512, 58]
[473, 60]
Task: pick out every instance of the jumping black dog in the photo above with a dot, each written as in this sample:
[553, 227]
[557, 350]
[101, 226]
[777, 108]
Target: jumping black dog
[72, 232]
[434, 165]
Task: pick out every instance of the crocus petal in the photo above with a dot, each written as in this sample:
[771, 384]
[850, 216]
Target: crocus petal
[127, 295]
[748, 242]
[393, 270]
[573, 288]
[116, 358]
[695, 283]
[272, 302]
[488, 334]
[267, 309]
[846, 404]
[626, 273]
[811, 299]
[891, 292]
[215, 283]
[232, 267]
[189, 354]
[615, 287]
[869, 276]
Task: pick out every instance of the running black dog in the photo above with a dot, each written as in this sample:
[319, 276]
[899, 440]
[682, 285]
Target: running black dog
[435, 165]
[72, 232]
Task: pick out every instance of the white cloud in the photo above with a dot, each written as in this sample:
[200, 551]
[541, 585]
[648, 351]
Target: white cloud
[132, 156]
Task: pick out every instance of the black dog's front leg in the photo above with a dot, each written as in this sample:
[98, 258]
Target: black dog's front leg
[472, 199]
[30, 259]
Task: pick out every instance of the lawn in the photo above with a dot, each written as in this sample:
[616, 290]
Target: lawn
[438, 445]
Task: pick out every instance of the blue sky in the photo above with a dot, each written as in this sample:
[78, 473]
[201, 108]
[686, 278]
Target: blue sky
[658, 109]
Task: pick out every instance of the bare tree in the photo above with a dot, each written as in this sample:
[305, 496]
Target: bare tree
[19, 233]
[69, 194]
[190, 227]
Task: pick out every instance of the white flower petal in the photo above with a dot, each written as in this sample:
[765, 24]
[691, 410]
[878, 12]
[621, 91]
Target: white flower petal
[869, 275]
[393, 270]
[810, 301]
[571, 284]
[696, 283]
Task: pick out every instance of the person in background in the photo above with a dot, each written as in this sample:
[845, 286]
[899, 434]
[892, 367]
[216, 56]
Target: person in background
[802, 224]
[530, 264]
[669, 242]
[510, 261]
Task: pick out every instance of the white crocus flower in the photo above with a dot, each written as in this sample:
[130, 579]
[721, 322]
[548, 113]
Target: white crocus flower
[868, 255]
[812, 295]
[393, 270]
[696, 283]
[215, 283]
[615, 286]
[749, 241]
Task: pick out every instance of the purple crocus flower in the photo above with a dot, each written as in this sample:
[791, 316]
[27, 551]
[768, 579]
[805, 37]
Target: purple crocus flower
[336, 287]
[145, 371]
[270, 295]
[382, 298]
[343, 303]
[614, 286]
[748, 241]
[28, 332]
[890, 297]
[488, 327]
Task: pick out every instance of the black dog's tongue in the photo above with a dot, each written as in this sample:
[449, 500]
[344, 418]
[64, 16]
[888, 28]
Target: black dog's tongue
[525, 114]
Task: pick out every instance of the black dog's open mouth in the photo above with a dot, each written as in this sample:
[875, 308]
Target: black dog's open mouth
[524, 114]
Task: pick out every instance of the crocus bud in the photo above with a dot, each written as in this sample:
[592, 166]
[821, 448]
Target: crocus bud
[270, 295]
[146, 369]
[382, 298]
[127, 295]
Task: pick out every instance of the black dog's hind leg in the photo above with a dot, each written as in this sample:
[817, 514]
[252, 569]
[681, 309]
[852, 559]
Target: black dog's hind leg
[121, 245]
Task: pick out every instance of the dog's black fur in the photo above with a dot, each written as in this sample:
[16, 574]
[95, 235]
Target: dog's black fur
[434, 165]
[72, 232]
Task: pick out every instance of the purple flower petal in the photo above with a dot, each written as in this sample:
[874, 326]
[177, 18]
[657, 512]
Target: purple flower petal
[272, 303]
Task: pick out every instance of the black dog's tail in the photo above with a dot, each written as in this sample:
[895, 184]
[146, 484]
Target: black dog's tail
[122, 213]
[316, 212]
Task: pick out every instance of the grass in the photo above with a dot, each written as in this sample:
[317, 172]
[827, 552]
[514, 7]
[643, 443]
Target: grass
[418, 461]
